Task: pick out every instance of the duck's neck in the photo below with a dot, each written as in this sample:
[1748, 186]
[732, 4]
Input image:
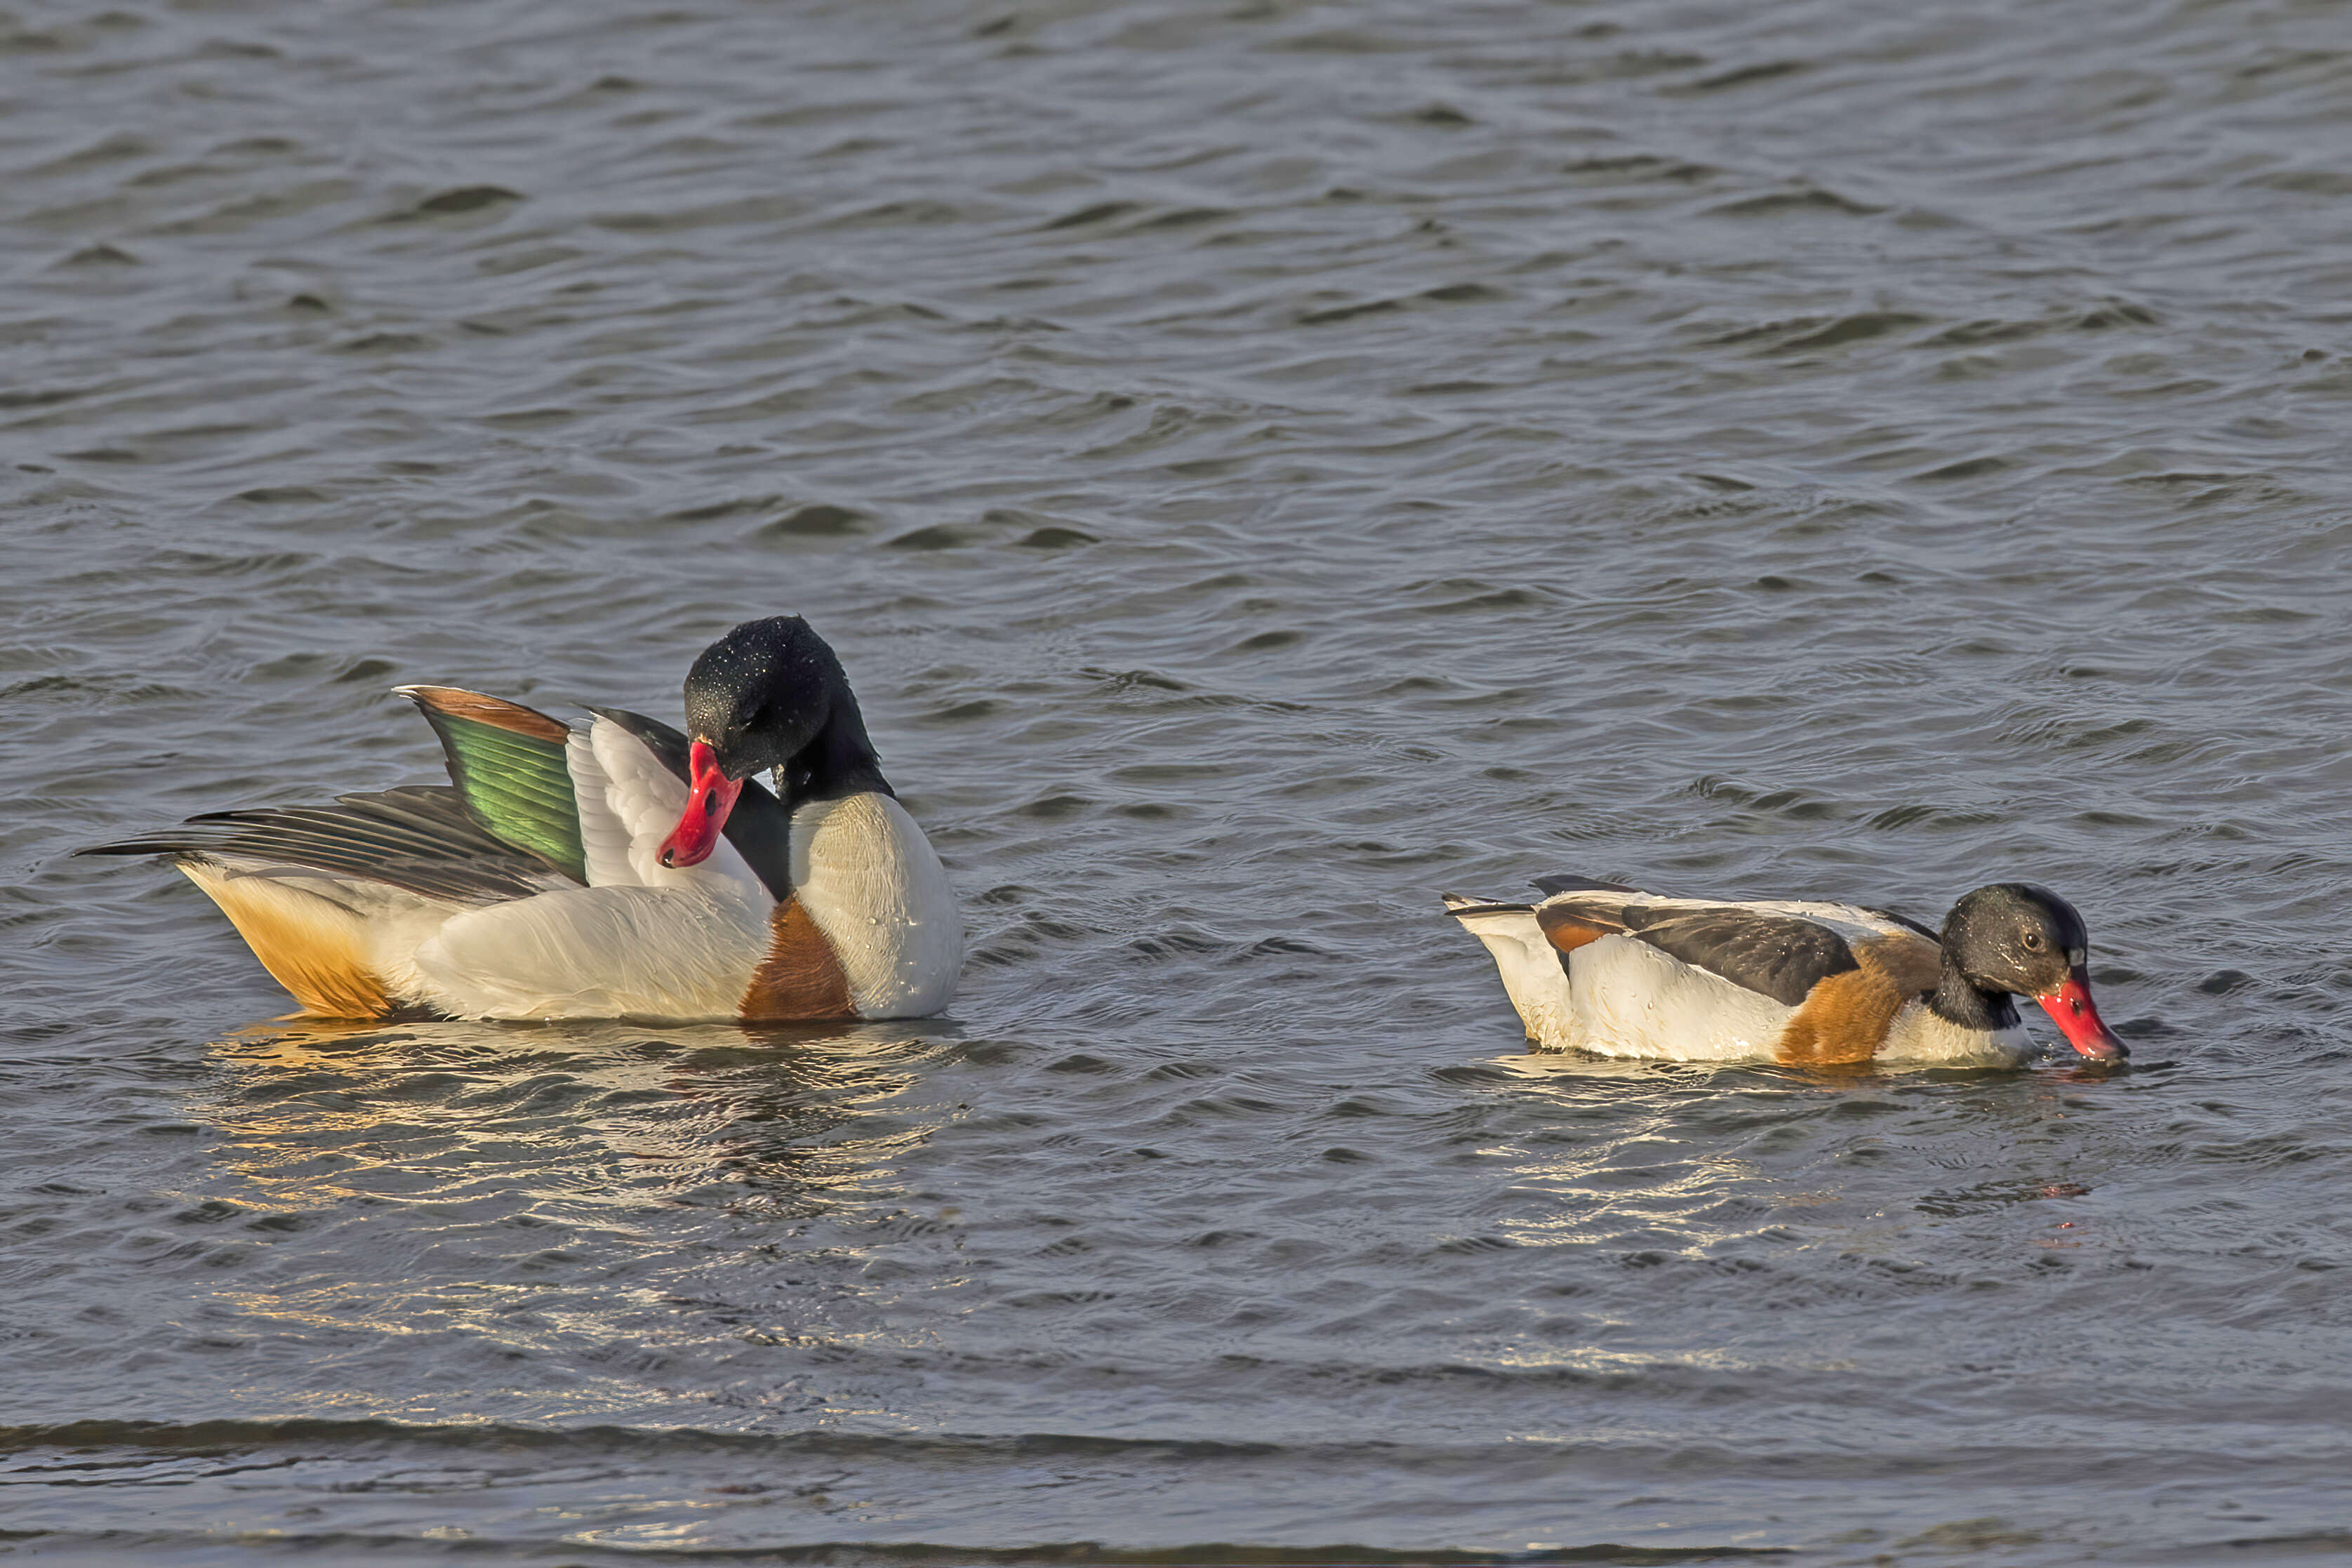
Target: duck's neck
[839, 761]
[1957, 999]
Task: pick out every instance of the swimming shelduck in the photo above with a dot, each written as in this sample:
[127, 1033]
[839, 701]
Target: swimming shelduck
[616, 868]
[1598, 967]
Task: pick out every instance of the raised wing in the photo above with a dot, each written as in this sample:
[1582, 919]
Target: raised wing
[628, 804]
[508, 763]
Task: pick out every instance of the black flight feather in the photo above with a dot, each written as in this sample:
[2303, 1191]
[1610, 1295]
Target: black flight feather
[1781, 956]
[418, 836]
[1551, 885]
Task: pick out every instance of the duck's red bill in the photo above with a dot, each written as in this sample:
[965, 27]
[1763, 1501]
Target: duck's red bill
[710, 795]
[2077, 1017]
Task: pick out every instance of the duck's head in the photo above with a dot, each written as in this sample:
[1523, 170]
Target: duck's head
[2026, 940]
[769, 694]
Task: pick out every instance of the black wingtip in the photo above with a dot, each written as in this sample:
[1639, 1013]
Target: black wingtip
[128, 847]
[1459, 904]
[1551, 885]
[419, 837]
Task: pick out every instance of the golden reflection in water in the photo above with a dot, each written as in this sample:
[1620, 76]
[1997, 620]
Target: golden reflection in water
[313, 1111]
[572, 1189]
[1709, 1160]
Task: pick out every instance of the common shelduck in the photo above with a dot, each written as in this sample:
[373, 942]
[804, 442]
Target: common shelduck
[614, 868]
[1600, 967]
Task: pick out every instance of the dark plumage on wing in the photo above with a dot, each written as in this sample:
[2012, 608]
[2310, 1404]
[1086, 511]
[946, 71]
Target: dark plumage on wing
[418, 836]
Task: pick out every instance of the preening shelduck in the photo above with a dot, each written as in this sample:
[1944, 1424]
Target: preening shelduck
[616, 868]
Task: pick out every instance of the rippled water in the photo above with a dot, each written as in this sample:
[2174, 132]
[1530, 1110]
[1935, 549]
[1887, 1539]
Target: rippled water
[1261, 463]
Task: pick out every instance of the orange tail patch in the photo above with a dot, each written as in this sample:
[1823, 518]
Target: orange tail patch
[309, 946]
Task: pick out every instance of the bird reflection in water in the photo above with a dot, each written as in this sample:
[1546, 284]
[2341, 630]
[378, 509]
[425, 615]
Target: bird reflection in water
[779, 1114]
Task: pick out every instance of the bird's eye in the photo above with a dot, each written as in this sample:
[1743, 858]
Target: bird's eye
[2032, 941]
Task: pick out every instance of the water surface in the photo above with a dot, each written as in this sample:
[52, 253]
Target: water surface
[1261, 463]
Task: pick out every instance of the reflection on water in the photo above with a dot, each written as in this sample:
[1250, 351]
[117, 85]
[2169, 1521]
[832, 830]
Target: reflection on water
[778, 1112]
[612, 1195]
[1705, 1161]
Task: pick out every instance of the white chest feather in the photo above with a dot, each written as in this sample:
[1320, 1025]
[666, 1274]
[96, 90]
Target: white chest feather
[874, 887]
[1917, 1035]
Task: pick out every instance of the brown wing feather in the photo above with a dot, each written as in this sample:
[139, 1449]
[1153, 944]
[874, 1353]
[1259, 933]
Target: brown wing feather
[495, 711]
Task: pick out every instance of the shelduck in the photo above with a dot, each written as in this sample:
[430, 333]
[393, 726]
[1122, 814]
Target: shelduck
[612, 868]
[1596, 966]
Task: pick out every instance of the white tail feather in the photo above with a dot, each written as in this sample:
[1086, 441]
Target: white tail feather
[1532, 975]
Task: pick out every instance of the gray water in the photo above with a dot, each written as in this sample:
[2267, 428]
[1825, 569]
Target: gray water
[1261, 463]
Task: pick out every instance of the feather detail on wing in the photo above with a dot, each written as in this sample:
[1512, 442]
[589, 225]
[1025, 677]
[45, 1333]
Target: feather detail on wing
[508, 763]
[419, 837]
[1779, 957]
[1777, 949]
[604, 836]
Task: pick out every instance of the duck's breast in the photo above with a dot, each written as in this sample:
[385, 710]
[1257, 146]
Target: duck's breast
[874, 888]
[1918, 1035]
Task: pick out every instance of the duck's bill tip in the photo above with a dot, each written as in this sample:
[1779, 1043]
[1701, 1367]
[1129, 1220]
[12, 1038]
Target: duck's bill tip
[710, 795]
[2078, 1016]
